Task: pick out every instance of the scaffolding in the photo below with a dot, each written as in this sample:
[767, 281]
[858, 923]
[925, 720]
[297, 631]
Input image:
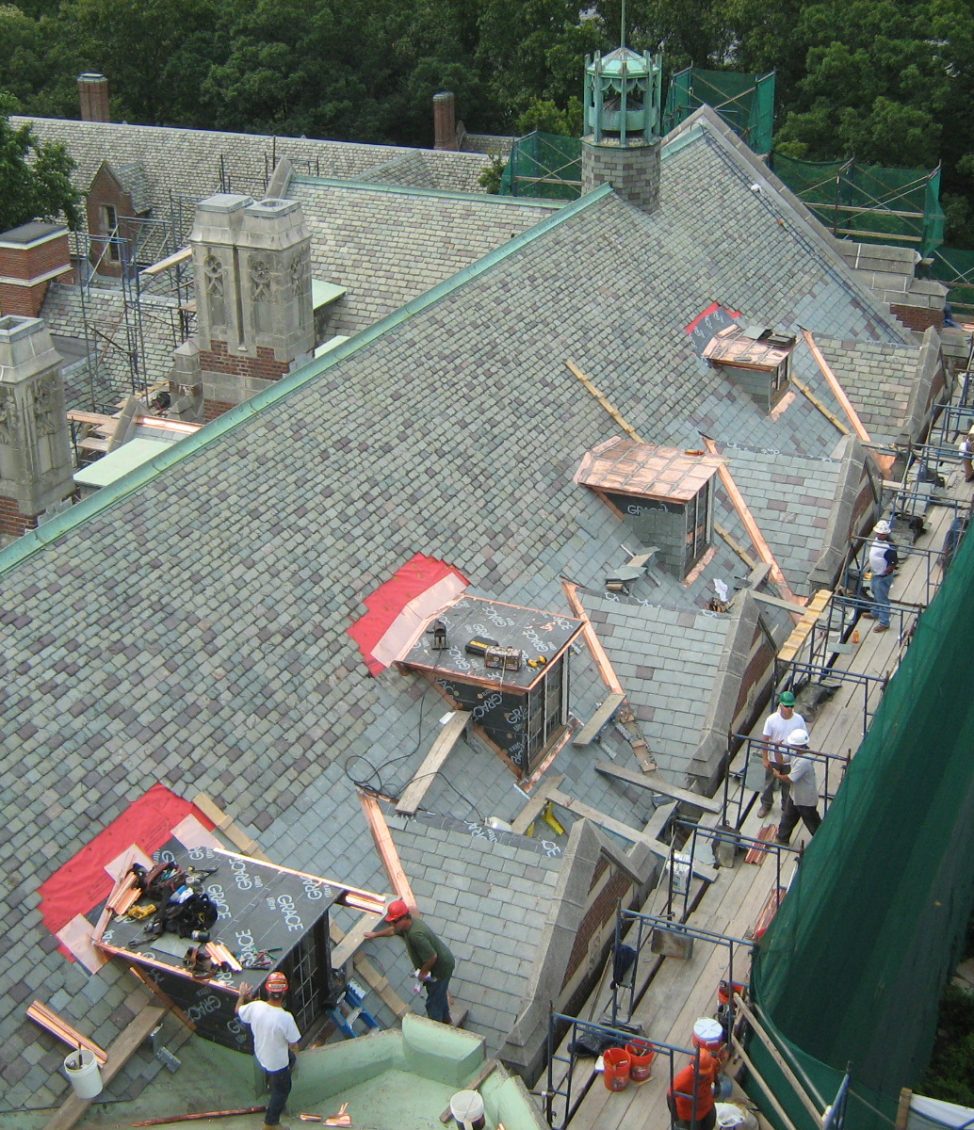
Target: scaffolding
[870, 203]
[744, 102]
[544, 164]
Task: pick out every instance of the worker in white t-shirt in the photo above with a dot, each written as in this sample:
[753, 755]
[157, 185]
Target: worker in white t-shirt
[777, 727]
[276, 1038]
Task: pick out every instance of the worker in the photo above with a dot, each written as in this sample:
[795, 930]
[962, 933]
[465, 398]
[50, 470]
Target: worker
[276, 1039]
[803, 799]
[432, 961]
[777, 727]
[691, 1095]
[966, 448]
[883, 560]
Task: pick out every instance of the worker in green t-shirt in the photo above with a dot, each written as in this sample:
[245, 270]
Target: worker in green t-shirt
[432, 961]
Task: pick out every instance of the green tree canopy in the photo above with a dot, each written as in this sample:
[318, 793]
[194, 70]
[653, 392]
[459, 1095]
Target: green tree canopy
[35, 179]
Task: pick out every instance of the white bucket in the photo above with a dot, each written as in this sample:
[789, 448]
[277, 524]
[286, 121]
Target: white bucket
[708, 1033]
[467, 1108]
[731, 1116]
[83, 1074]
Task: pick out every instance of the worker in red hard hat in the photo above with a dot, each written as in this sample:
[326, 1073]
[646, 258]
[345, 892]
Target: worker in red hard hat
[431, 957]
[691, 1095]
[276, 1039]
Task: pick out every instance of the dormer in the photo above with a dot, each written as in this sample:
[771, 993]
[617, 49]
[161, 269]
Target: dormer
[665, 496]
[756, 359]
[506, 664]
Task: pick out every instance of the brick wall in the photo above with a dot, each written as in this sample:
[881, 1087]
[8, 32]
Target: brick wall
[32, 261]
[214, 408]
[264, 366]
[607, 890]
[105, 190]
[12, 523]
[918, 318]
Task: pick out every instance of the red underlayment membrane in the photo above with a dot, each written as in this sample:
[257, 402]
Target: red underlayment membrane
[399, 610]
[709, 322]
[83, 884]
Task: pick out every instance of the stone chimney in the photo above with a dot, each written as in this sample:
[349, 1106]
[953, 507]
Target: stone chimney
[35, 446]
[252, 265]
[31, 256]
[93, 92]
[444, 121]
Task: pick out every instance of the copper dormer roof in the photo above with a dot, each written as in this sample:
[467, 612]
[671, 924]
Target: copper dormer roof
[625, 466]
[749, 346]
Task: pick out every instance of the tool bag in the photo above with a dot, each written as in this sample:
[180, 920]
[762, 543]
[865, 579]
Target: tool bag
[197, 913]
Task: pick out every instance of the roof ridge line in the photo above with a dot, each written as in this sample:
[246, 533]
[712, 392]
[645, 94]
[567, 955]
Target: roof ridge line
[44, 535]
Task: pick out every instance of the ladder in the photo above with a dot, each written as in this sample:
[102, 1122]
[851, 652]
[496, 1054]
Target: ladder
[349, 1009]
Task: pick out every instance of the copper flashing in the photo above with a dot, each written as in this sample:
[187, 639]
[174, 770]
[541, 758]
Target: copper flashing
[625, 466]
[753, 529]
[746, 347]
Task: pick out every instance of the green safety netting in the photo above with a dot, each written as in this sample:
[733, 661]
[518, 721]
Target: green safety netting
[869, 202]
[544, 164]
[955, 267]
[851, 971]
[745, 102]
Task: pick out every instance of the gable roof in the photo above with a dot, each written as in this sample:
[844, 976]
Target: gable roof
[197, 163]
[189, 624]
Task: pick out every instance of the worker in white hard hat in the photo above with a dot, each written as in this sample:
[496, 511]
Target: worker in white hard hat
[883, 559]
[802, 802]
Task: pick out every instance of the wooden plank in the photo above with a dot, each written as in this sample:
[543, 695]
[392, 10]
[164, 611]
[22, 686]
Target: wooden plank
[800, 1088]
[346, 948]
[433, 762]
[620, 829]
[120, 1051]
[586, 735]
[759, 1079]
[535, 806]
[656, 783]
[180, 256]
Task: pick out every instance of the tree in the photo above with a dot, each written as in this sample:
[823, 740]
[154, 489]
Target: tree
[35, 178]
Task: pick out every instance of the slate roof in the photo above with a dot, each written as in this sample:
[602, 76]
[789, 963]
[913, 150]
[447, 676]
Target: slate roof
[879, 379]
[671, 660]
[190, 623]
[387, 246]
[197, 163]
[791, 497]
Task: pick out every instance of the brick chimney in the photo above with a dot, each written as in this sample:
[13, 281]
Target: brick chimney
[31, 256]
[93, 92]
[35, 447]
[444, 121]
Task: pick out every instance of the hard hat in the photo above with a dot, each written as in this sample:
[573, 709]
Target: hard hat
[276, 984]
[786, 698]
[397, 910]
[882, 527]
[798, 737]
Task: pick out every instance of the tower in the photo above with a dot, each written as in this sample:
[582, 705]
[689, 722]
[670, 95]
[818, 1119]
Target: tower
[620, 142]
[35, 448]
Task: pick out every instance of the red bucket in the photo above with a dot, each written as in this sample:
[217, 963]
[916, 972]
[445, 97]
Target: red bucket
[641, 1056]
[617, 1065]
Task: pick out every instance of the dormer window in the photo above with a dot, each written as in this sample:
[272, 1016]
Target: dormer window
[509, 666]
[666, 496]
[755, 358]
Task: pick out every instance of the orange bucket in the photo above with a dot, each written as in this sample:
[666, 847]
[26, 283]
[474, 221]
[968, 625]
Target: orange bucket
[641, 1056]
[616, 1073]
